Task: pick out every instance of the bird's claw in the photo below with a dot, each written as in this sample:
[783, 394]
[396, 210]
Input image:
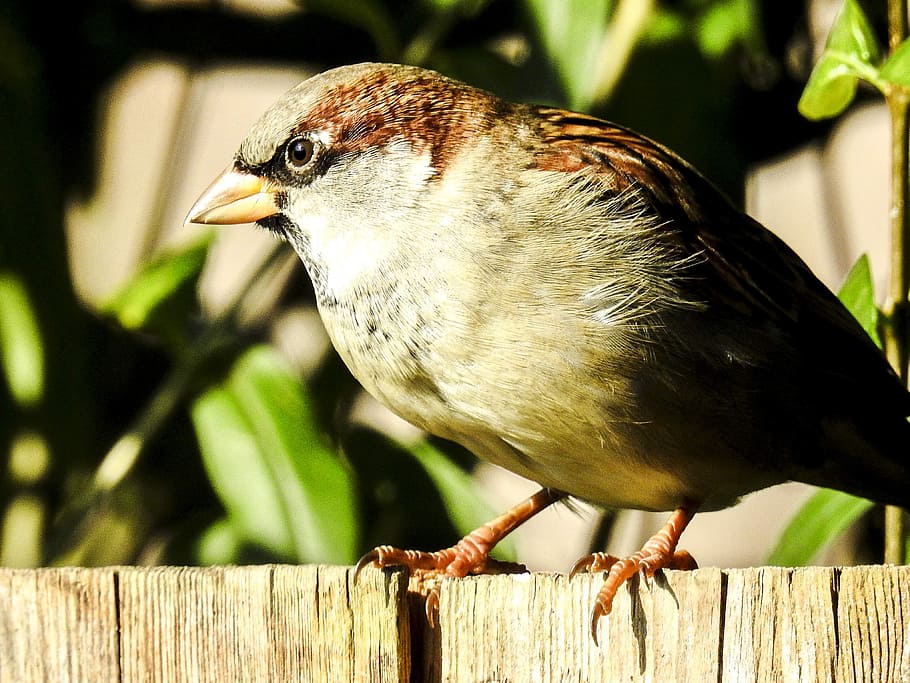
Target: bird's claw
[594, 562]
[646, 576]
[598, 612]
[426, 570]
[431, 606]
[372, 557]
[658, 553]
[383, 556]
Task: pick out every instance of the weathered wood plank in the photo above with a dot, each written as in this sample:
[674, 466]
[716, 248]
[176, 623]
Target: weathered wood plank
[345, 631]
[873, 620]
[266, 623]
[272, 623]
[269, 623]
[537, 628]
[765, 624]
[779, 625]
[58, 625]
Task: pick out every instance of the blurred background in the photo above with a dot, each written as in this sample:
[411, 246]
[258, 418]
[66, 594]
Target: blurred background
[167, 394]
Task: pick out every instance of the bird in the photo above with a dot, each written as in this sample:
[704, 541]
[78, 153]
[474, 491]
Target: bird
[567, 299]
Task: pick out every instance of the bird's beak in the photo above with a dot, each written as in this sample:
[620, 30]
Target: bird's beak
[234, 197]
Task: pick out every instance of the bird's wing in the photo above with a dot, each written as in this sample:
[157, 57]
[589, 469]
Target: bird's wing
[745, 266]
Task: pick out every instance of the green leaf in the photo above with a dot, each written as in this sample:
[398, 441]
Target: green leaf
[831, 88]
[858, 295]
[826, 515]
[21, 346]
[851, 52]
[219, 544]
[896, 69]
[282, 486]
[852, 35]
[572, 33]
[466, 7]
[665, 25]
[142, 302]
[724, 25]
[240, 473]
[458, 491]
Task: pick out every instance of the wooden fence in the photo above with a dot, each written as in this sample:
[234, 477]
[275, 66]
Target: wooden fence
[310, 623]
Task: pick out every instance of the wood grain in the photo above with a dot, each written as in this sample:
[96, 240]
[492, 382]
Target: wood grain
[760, 624]
[541, 627]
[58, 625]
[265, 623]
[312, 623]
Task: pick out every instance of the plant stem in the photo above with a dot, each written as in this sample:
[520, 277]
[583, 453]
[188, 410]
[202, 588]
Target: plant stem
[898, 347]
[620, 39]
[897, 23]
[421, 46]
[119, 461]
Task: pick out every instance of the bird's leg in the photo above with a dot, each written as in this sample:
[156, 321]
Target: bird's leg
[471, 553]
[658, 553]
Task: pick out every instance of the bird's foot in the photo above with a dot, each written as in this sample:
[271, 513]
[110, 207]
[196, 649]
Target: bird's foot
[471, 555]
[465, 557]
[658, 553]
[426, 570]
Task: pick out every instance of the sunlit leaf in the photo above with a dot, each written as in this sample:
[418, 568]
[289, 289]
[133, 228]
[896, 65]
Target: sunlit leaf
[571, 33]
[897, 68]
[826, 515]
[21, 345]
[852, 35]
[725, 24]
[831, 88]
[458, 491]
[665, 25]
[269, 464]
[858, 295]
[157, 283]
[240, 472]
[26, 514]
[219, 544]
[851, 52]
[313, 482]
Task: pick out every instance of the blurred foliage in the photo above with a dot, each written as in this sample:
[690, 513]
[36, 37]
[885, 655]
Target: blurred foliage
[283, 488]
[852, 54]
[149, 431]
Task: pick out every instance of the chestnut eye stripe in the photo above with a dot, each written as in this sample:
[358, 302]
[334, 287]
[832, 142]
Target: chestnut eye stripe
[374, 113]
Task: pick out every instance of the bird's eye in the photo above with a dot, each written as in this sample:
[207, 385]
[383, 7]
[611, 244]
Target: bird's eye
[299, 152]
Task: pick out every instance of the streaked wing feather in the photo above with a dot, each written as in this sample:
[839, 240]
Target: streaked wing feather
[746, 267]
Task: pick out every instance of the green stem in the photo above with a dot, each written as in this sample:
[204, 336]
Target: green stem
[628, 21]
[422, 45]
[123, 455]
[121, 458]
[897, 23]
[864, 70]
[898, 346]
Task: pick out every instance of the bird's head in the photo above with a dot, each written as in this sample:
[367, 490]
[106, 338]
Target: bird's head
[351, 144]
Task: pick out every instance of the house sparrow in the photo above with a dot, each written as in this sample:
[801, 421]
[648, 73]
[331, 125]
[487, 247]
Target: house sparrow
[566, 299]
